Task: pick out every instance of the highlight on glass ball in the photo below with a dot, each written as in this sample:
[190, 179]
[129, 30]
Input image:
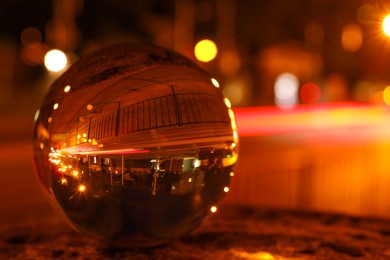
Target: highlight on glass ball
[135, 145]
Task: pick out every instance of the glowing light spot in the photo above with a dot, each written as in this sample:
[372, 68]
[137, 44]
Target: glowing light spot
[215, 82]
[351, 37]
[100, 145]
[189, 179]
[231, 174]
[286, 90]
[89, 107]
[82, 188]
[66, 89]
[256, 255]
[205, 50]
[310, 93]
[75, 173]
[64, 181]
[55, 106]
[49, 119]
[386, 95]
[41, 145]
[386, 25]
[55, 60]
[78, 136]
[227, 103]
[235, 135]
[85, 135]
[226, 189]
[36, 115]
[213, 209]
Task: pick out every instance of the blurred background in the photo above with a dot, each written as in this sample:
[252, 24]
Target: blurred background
[309, 81]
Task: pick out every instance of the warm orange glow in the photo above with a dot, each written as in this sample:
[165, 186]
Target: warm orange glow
[89, 107]
[55, 60]
[231, 174]
[352, 37]
[213, 209]
[261, 255]
[229, 62]
[66, 89]
[386, 25]
[234, 92]
[367, 14]
[30, 35]
[55, 106]
[205, 50]
[386, 95]
[49, 119]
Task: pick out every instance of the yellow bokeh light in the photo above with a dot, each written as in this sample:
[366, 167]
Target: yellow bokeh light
[386, 25]
[66, 89]
[55, 60]
[205, 50]
[213, 209]
[55, 106]
[226, 189]
[82, 188]
[227, 103]
[90, 107]
[386, 95]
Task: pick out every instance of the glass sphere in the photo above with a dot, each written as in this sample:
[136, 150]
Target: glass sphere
[135, 145]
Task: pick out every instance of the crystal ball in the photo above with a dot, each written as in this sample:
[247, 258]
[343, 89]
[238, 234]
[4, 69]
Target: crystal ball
[135, 145]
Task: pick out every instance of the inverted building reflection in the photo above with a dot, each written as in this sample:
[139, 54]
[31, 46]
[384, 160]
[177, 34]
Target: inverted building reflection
[99, 175]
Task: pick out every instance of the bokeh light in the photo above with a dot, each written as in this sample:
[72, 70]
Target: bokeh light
[233, 92]
[205, 50]
[386, 25]
[310, 93]
[351, 37]
[367, 14]
[55, 60]
[229, 62]
[386, 95]
[286, 90]
[30, 35]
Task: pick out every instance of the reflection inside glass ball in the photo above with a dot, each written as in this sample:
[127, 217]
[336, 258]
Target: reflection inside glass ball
[135, 145]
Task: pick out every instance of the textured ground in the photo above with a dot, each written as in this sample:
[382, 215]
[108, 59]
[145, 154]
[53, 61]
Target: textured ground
[235, 232]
